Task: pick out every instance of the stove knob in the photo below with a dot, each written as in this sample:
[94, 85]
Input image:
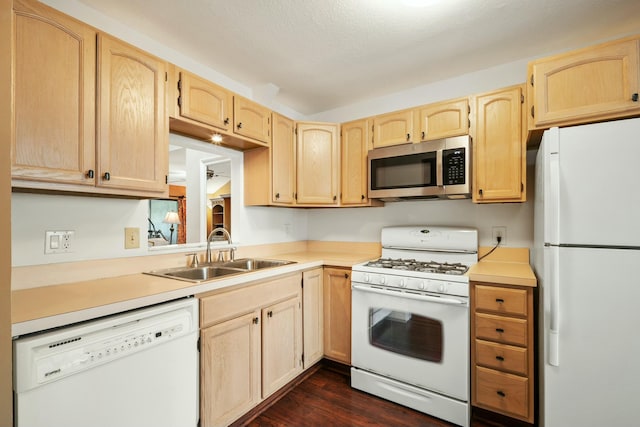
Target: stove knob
[441, 288]
[402, 283]
[382, 280]
[366, 277]
[421, 285]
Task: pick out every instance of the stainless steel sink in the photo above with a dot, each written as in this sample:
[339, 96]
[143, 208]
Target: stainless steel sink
[206, 272]
[256, 263]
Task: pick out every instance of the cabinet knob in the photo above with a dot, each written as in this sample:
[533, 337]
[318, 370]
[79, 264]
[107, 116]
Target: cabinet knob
[90, 173]
[346, 276]
[256, 320]
[532, 111]
[226, 121]
[501, 393]
[106, 176]
[423, 135]
[277, 195]
[480, 191]
[499, 300]
[500, 358]
[240, 125]
[269, 313]
[335, 198]
[499, 330]
[634, 97]
[362, 197]
[408, 137]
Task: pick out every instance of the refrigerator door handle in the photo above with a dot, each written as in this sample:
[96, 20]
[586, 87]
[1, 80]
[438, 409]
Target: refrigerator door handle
[553, 288]
[552, 188]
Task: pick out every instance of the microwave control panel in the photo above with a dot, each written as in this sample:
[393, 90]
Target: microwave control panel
[454, 165]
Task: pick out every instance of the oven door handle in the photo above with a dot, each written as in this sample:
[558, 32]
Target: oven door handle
[417, 297]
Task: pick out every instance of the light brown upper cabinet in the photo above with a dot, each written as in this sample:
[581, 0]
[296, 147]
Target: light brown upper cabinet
[317, 163]
[283, 161]
[251, 119]
[355, 143]
[73, 134]
[586, 85]
[203, 101]
[499, 146]
[443, 119]
[393, 128]
[54, 97]
[132, 134]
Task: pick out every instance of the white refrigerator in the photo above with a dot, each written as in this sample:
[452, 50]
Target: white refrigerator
[587, 259]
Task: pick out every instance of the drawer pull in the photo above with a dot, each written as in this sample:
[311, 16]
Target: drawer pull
[499, 300]
[499, 330]
[501, 393]
[500, 358]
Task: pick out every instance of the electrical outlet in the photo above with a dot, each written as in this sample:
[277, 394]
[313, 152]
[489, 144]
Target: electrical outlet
[499, 231]
[131, 237]
[56, 242]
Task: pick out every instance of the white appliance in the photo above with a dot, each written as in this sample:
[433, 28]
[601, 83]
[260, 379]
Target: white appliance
[586, 255]
[138, 369]
[410, 320]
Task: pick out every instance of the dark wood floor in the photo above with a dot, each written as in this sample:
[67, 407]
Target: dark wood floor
[326, 399]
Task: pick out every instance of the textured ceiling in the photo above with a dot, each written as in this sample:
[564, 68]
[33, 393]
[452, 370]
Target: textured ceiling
[316, 55]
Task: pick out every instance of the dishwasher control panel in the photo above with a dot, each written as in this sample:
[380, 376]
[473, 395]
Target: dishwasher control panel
[57, 354]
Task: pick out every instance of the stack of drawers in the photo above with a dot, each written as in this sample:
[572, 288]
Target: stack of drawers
[502, 349]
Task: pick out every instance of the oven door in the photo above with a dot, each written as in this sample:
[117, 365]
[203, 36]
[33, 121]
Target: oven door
[414, 338]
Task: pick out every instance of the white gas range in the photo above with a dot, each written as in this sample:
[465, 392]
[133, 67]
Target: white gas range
[410, 320]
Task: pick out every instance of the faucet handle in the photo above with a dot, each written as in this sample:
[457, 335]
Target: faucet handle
[194, 260]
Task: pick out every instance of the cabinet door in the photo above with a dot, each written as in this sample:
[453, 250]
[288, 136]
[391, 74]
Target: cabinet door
[281, 344]
[354, 148]
[499, 147]
[317, 163]
[203, 101]
[54, 96]
[393, 128]
[444, 119]
[337, 314]
[230, 369]
[283, 160]
[132, 128]
[312, 316]
[589, 84]
[251, 119]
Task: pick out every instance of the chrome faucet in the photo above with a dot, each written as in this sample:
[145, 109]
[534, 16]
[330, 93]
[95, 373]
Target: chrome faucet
[227, 236]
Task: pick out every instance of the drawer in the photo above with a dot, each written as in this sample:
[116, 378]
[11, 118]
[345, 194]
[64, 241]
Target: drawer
[502, 357]
[508, 330]
[501, 300]
[505, 393]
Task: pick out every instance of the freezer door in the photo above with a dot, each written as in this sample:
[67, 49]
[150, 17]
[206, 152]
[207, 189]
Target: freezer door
[597, 186]
[595, 382]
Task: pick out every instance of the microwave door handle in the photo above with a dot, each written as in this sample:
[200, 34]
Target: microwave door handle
[439, 180]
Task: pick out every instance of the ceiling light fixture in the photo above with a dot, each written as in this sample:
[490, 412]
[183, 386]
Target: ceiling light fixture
[216, 138]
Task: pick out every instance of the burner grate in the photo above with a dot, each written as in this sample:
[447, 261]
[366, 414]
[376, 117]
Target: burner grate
[413, 265]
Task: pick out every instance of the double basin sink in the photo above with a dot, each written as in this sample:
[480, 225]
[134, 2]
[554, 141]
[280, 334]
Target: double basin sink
[210, 271]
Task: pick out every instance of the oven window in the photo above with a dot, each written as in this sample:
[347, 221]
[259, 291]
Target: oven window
[405, 333]
[415, 170]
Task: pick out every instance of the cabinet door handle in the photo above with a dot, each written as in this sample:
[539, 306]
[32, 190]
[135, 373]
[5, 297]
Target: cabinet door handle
[106, 176]
[269, 313]
[532, 111]
[500, 358]
[362, 197]
[240, 125]
[501, 393]
[90, 173]
[335, 198]
[346, 276]
[423, 135]
[277, 195]
[499, 300]
[408, 137]
[499, 330]
[226, 121]
[256, 320]
[480, 191]
[634, 97]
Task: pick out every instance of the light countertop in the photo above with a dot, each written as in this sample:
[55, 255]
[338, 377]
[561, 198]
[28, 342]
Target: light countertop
[506, 266]
[40, 308]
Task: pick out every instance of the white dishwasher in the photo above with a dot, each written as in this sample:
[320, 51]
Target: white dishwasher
[138, 368]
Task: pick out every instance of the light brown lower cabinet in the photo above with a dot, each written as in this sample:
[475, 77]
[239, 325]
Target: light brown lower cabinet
[503, 349]
[337, 314]
[312, 315]
[251, 345]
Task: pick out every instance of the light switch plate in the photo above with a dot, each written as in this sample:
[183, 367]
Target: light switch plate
[131, 237]
[56, 242]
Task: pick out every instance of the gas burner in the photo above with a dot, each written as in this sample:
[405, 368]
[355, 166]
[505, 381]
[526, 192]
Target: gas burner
[424, 267]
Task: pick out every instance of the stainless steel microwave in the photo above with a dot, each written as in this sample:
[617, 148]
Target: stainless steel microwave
[431, 169]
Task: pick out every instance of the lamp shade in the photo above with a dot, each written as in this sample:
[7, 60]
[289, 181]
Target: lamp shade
[172, 218]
